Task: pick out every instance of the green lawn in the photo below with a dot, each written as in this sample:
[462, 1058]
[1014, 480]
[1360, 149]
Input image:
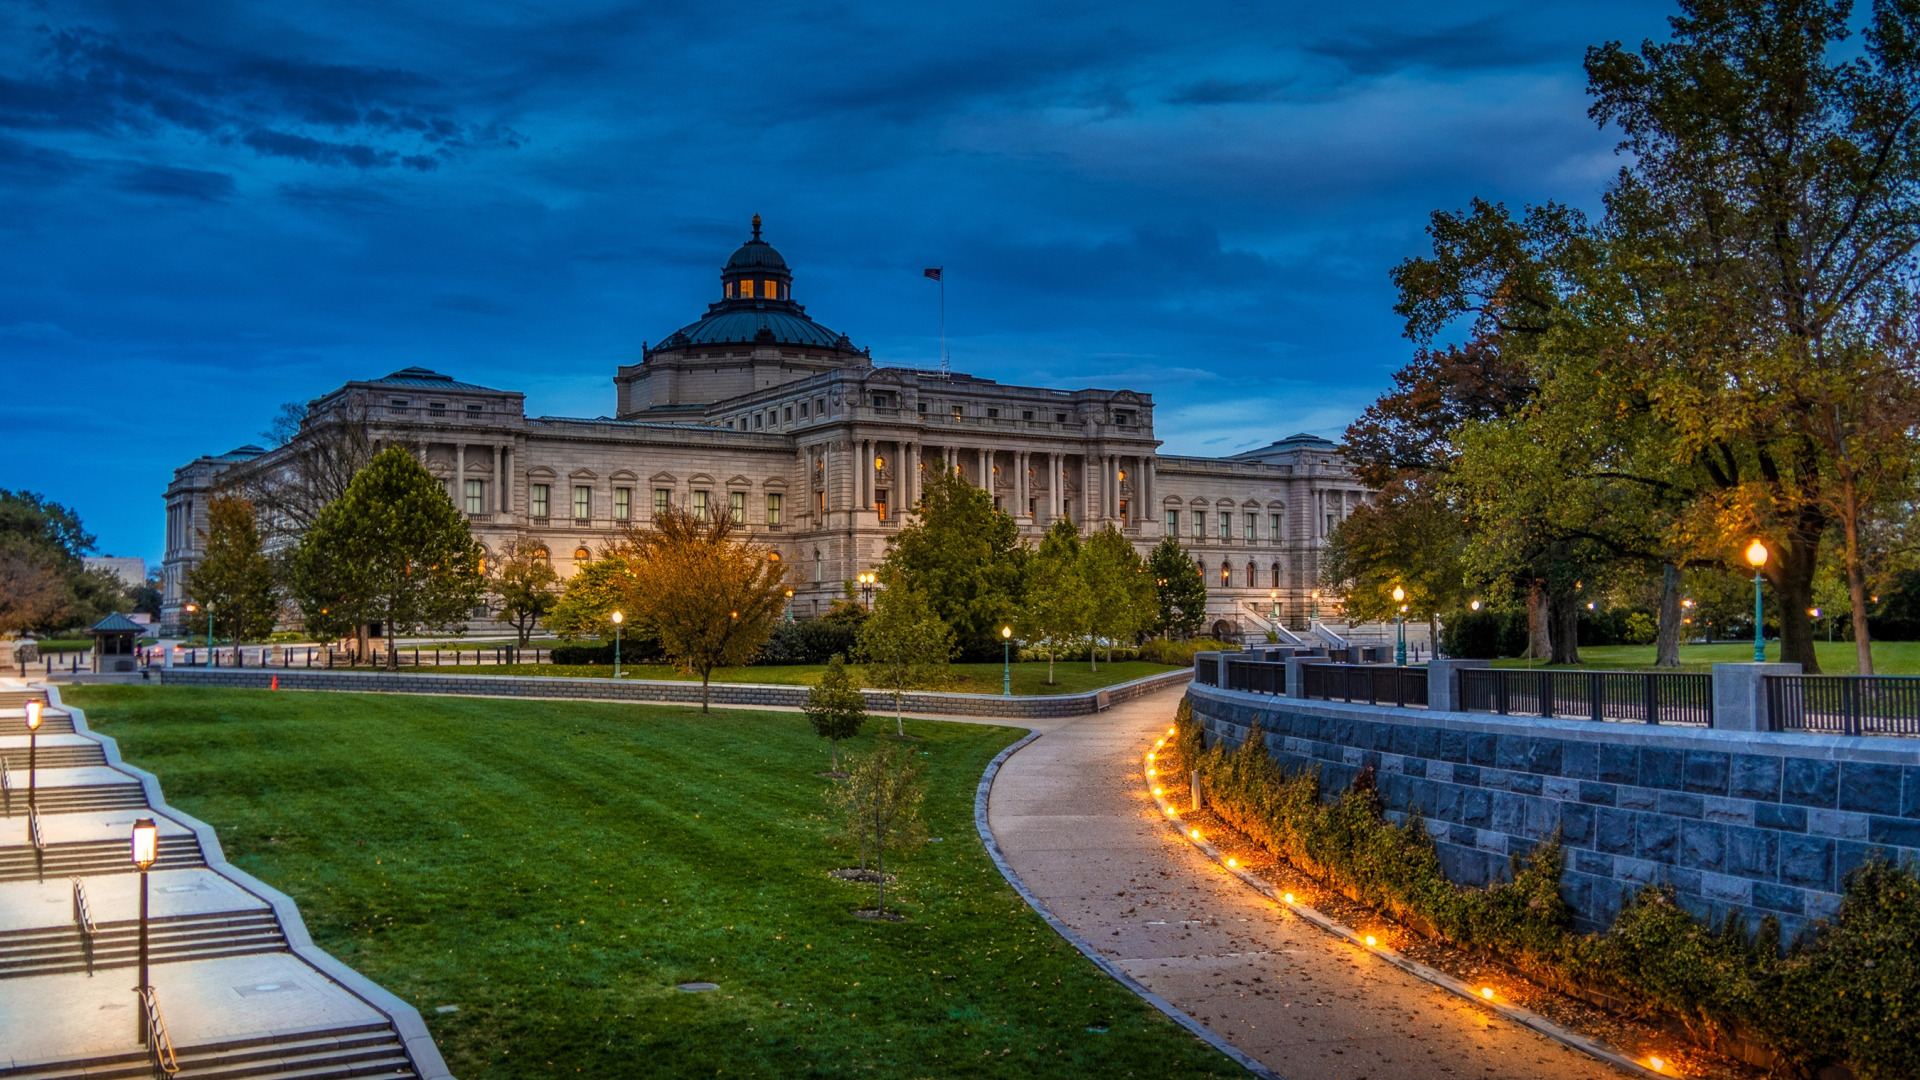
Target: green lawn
[1029, 677]
[1836, 658]
[554, 869]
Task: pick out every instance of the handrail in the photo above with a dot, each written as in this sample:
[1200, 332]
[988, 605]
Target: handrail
[159, 1044]
[33, 829]
[82, 914]
[6, 785]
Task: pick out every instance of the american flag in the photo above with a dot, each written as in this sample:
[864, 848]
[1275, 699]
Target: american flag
[934, 272]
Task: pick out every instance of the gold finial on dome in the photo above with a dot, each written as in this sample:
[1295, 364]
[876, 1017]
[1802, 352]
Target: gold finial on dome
[756, 226]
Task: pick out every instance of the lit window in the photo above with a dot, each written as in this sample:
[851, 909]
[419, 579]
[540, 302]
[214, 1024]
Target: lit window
[820, 502]
[773, 509]
[737, 506]
[956, 412]
[1123, 510]
[1226, 576]
[623, 504]
[880, 503]
[582, 502]
[537, 500]
[1173, 523]
[1226, 525]
[662, 498]
[699, 506]
[746, 290]
[769, 289]
[476, 496]
[582, 555]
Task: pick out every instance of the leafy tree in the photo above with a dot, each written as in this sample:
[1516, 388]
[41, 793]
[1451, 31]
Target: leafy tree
[32, 589]
[1059, 604]
[903, 643]
[596, 590]
[879, 803]
[319, 456]
[836, 708]
[47, 537]
[713, 600]
[1179, 590]
[525, 582]
[1123, 599]
[1405, 538]
[234, 578]
[965, 556]
[393, 548]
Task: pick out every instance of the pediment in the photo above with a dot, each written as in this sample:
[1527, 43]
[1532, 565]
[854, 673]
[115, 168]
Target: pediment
[623, 474]
[699, 478]
[739, 481]
[540, 471]
[773, 482]
[583, 474]
[661, 478]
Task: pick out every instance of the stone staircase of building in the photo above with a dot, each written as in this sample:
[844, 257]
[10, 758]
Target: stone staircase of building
[54, 950]
[242, 998]
[362, 1051]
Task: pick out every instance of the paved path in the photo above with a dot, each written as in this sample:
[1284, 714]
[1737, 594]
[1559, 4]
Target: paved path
[1069, 813]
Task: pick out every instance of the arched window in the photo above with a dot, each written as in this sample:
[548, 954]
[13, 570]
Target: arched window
[541, 554]
[1251, 580]
[1226, 575]
[819, 566]
[1276, 575]
[582, 554]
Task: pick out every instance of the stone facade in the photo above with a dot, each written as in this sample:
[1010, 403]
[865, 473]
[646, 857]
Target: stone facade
[758, 411]
[1752, 823]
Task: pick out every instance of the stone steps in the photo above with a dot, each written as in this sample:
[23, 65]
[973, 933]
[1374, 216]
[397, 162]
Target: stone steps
[75, 800]
[371, 1051]
[17, 699]
[63, 756]
[61, 949]
[51, 723]
[90, 857]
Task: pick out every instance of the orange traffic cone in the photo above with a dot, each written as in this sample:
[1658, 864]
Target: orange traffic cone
[276, 682]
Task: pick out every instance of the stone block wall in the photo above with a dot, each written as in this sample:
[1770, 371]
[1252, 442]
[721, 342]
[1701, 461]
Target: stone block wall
[1756, 823]
[787, 697]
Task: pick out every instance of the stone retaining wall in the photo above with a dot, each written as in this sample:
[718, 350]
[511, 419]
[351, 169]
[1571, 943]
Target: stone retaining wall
[790, 697]
[1760, 823]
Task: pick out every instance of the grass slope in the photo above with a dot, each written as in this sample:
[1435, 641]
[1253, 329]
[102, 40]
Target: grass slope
[1836, 658]
[1029, 677]
[554, 869]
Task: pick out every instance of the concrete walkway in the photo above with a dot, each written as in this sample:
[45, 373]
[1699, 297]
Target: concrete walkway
[1070, 815]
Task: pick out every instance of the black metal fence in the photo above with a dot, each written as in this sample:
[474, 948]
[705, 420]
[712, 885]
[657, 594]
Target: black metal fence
[1642, 697]
[1375, 685]
[1844, 704]
[1257, 676]
[1206, 669]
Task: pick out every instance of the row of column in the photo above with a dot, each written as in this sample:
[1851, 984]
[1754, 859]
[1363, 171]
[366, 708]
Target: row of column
[502, 476]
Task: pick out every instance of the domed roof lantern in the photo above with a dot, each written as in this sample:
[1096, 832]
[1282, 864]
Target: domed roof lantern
[755, 272]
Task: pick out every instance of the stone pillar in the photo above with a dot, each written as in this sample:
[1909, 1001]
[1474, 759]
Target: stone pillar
[1443, 683]
[499, 482]
[1086, 490]
[460, 476]
[1019, 484]
[1296, 679]
[1740, 695]
[866, 474]
[506, 479]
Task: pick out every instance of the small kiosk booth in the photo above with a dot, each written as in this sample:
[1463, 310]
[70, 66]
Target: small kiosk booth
[113, 643]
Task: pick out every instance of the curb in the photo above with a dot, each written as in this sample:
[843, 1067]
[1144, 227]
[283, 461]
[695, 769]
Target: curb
[1195, 1027]
[1524, 1017]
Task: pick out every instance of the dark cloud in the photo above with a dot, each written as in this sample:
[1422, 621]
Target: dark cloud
[1229, 91]
[1489, 42]
[178, 183]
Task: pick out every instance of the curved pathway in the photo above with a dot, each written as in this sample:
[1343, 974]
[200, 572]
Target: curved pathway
[1071, 818]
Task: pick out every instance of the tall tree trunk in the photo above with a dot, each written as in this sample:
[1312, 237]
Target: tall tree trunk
[1792, 596]
[706, 678]
[1539, 636]
[1433, 635]
[1565, 623]
[1666, 648]
[363, 644]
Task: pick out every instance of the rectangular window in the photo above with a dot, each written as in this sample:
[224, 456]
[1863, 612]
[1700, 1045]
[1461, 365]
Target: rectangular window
[476, 496]
[820, 503]
[880, 504]
[1273, 528]
[737, 506]
[582, 502]
[1026, 414]
[1123, 418]
[819, 406]
[699, 506]
[956, 412]
[1123, 511]
[623, 504]
[662, 498]
[1199, 523]
[537, 500]
[757, 418]
[1251, 518]
[773, 510]
[437, 406]
[473, 410]
[803, 410]
[787, 414]
[1226, 525]
[746, 289]
[1331, 521]
[399, 403]
[923, 408]
[770, 289]
[993, 414]
[1059, 418]
[1173, 523]
[879, 401]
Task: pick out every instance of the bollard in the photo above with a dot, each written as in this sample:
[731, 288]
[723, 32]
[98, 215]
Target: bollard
[1195, 785]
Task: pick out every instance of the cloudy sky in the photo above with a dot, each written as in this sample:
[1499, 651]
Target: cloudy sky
[207, 209]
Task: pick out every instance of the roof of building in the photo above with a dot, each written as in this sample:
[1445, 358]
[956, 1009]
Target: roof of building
[756, 254]
[433, 380]
[240, 453]
[1297, 441]
[117, 623]
[759, 320]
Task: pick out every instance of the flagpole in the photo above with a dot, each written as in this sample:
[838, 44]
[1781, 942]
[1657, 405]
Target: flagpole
[944, 368]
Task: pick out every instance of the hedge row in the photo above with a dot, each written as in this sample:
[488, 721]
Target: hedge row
[1846, 991]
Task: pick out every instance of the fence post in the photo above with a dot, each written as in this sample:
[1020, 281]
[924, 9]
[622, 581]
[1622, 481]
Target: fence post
[1740, 695]
[1852, 690]
[1296, 676]
[1650, 685]
[1443, 683]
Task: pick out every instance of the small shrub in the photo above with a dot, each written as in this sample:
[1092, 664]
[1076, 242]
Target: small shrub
[633, 650]
[1178, 653]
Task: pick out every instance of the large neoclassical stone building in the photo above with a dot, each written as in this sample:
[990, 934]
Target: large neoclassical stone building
[758, 411]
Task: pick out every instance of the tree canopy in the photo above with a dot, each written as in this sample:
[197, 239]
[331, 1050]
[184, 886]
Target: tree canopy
[965, 556]
[234, 579]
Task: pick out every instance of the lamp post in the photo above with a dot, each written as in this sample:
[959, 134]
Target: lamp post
[789, 605]
[33, 747]
[1314, 612]
[617, 620]
[1006, 661]
[1475, 605]
[866, 586]
[146, 848]
[1757, 558]
[1400, 628]
[1273, 599]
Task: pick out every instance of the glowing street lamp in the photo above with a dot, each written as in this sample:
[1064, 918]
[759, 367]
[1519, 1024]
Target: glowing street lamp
[1314, 611]
[1273, 597]
[1757, 558]
[617, 620]
[1006, 661]
[866, 585]
[191, 608]
[1475, 605]
[1400, 625]
[789, 605]
[145, 849]
[33, 745]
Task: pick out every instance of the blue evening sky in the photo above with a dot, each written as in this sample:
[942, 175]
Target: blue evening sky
[207, 209]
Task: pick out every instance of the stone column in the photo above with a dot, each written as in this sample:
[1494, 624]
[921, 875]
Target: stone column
[1086, 489]
[460, 476]
[986, 472]
[1020, 483]
[1443, 683]
[499, 481]
[506, 480]
[866, 474]
[1740, 695]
